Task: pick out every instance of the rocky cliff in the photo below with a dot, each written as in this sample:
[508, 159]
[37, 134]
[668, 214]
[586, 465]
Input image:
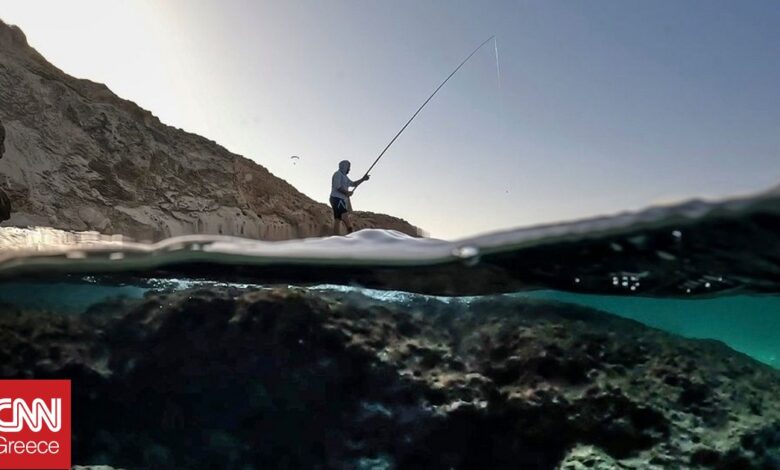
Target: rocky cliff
[5, 202]
[78, 157]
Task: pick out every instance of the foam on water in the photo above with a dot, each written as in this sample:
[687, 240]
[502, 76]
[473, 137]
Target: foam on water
[694, 248]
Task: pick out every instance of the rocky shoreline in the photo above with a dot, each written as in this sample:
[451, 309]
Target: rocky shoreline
[5, 201]
[293, 378]
[79, 157]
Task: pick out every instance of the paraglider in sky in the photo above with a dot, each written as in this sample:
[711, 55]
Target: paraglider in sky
[295, 158]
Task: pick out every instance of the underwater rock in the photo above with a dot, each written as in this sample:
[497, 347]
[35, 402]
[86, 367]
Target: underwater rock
[94, 161]
[293, 378]
[94, 467]
[587, 458]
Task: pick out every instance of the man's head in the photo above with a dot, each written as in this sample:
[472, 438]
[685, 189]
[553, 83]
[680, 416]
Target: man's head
[344, 166]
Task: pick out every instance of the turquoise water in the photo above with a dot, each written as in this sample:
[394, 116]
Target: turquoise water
[63, 297]
[747, 323]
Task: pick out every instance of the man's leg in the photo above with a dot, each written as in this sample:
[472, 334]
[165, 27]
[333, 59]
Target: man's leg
[347, 222]
[336, 226]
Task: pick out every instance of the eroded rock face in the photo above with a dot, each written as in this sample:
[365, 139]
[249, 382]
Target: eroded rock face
[81, 158]
[5, 202]
[290, 378]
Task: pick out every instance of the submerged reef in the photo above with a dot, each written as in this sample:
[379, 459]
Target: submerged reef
[223, 377]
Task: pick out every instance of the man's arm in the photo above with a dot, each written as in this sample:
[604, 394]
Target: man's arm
[349, 183]
[361, 180]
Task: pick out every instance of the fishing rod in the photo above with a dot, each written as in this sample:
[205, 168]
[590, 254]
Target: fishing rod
[426, 102]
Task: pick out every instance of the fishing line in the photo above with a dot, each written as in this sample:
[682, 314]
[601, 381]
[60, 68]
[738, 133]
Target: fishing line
[500, 94]
[498, 69]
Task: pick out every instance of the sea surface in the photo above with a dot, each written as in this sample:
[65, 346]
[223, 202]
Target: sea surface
[701, 269]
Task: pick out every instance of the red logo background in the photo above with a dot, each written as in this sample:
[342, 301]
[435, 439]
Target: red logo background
[28, 390]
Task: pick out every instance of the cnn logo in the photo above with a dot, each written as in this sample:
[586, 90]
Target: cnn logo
[35, 424]
[34, 416]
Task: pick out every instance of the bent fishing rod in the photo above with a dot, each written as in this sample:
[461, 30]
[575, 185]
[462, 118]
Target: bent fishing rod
[426, 102]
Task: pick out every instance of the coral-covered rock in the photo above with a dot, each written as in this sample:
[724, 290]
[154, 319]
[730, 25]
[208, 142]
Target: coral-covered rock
[292, 378]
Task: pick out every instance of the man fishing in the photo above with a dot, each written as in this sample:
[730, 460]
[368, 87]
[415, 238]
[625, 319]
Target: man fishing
[339, 196]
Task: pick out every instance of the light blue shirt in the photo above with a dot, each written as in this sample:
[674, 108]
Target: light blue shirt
[340, 181]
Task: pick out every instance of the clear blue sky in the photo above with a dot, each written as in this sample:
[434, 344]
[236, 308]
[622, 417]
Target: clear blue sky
[603, 106]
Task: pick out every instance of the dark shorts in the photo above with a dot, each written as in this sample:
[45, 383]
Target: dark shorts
[339, 207]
